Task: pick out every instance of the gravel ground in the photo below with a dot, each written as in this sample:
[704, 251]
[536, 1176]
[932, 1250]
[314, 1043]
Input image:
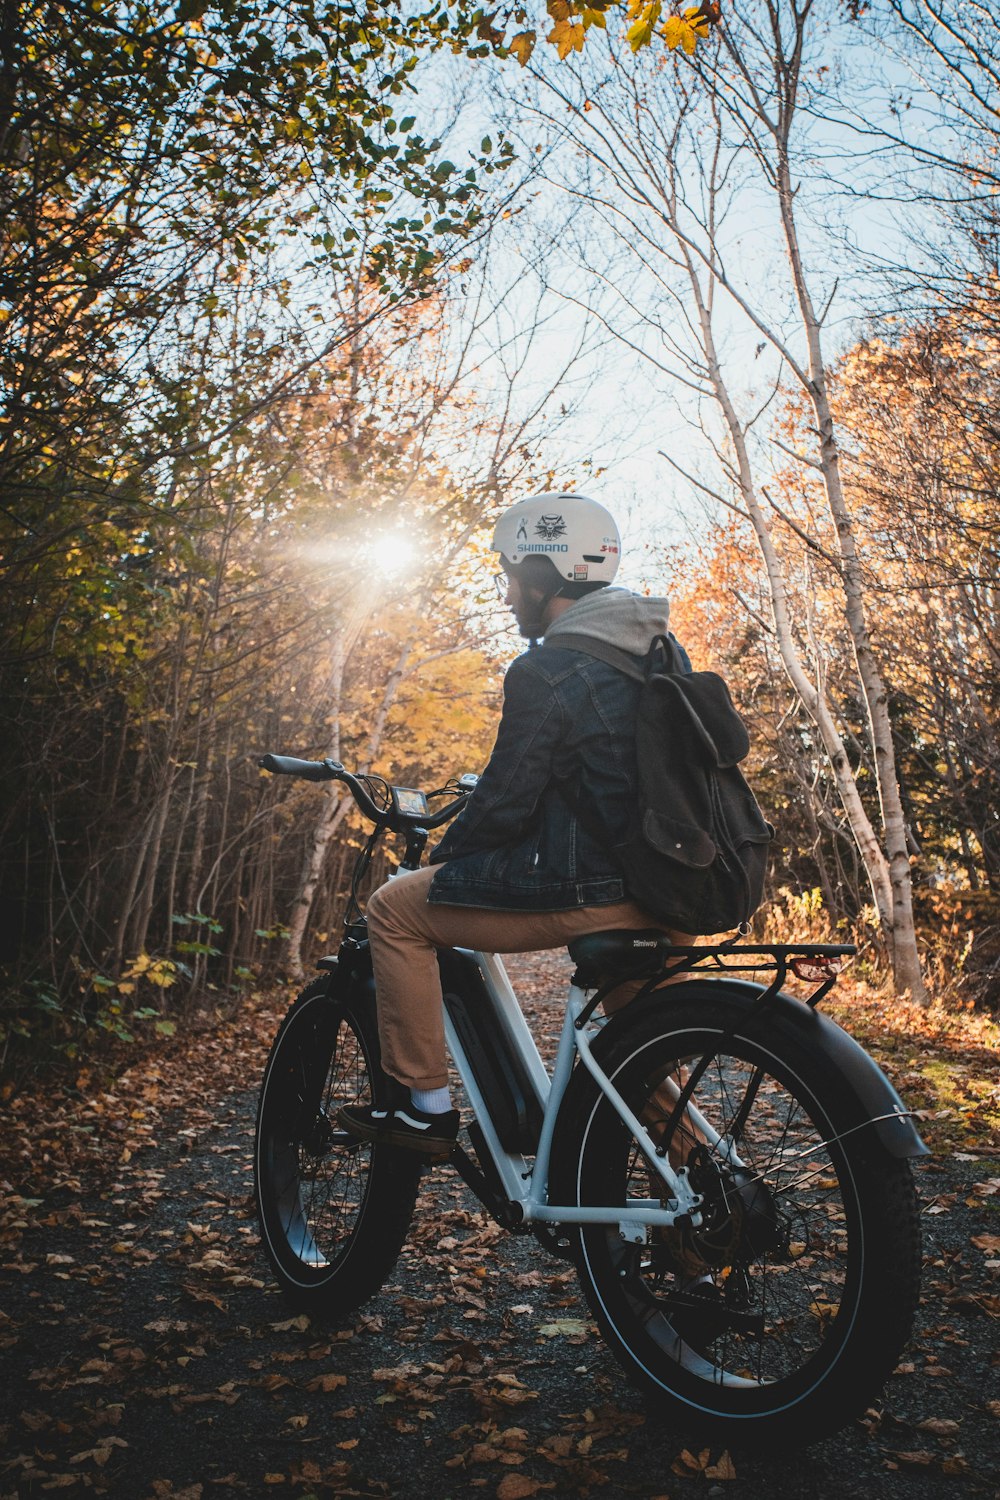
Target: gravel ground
[146, 1354]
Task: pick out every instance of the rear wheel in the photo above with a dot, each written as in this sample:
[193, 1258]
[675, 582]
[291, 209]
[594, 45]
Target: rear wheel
[333, 1212]
[781, 1315]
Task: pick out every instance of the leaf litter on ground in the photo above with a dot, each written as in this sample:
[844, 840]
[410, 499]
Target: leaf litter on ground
[138, 1304]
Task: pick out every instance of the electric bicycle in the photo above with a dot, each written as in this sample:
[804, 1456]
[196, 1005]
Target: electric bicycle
[727, 1168]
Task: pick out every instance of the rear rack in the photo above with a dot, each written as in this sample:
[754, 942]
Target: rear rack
[813, 962]
[826, 959]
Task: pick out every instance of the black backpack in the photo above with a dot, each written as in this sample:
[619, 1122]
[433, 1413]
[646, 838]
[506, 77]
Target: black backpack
[696, 850]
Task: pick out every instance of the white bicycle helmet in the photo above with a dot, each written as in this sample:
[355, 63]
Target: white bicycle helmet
[572, 532]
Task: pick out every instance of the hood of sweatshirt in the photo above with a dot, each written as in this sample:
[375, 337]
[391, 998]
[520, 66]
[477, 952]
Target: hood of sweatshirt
[617, 616]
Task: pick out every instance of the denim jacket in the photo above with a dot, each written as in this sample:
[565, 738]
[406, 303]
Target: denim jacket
[568, 721]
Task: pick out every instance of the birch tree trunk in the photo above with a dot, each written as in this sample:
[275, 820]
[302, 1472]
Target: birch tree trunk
[894, 864]
[808, 690]
[337, 802]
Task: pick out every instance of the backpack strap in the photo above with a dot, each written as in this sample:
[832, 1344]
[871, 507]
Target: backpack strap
[664, 654]
[591, 646]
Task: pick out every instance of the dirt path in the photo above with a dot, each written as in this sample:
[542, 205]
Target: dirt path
[145, 1353]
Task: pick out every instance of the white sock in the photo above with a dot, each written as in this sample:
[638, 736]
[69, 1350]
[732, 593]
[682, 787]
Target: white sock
[432, 1101]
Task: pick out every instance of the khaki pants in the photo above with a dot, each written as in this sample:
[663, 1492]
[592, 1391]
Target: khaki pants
[406, 930]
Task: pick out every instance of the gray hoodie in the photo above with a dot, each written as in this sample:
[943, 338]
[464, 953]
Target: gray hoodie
[617, 616]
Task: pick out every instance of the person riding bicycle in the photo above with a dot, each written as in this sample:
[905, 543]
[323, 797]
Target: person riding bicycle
[520, 868]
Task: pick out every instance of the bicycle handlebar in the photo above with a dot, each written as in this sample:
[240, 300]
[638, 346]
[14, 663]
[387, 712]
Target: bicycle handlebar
[308, 770]
[332, 770]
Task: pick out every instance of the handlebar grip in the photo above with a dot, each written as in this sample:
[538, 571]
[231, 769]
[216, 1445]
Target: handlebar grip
[308, 770]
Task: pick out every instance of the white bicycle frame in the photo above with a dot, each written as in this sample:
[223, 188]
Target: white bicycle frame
[526, 1183]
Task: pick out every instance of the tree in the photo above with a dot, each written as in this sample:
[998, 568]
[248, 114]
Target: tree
[919, 407]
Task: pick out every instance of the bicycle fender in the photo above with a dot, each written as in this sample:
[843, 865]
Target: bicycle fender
[351, 975]
[877, 1101]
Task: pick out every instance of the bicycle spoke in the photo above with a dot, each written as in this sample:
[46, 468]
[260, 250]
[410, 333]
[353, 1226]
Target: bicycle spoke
[794, 1287]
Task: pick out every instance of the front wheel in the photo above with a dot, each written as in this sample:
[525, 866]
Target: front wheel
[333, 1211]
[780, 1316]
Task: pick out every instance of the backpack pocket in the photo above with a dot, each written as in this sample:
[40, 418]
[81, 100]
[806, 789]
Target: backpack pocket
[678, 841]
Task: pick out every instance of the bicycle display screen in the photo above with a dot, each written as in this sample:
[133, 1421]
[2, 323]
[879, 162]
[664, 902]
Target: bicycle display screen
[411, 803]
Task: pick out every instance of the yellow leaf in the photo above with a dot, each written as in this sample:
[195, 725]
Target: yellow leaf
[522, 46]
[640, 33]
[594, 18]
[558, 9]
[567, 37]
[685, 31]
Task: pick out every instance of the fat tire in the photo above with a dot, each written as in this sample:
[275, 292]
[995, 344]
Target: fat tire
[869, 1324]
[333, 1214]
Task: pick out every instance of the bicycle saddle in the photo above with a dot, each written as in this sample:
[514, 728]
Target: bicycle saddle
[623, 952]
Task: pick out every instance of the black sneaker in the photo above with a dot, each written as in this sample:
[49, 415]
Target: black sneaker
[433, 1136]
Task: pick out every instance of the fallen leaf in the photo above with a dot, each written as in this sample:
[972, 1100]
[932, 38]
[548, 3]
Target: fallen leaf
[563, 1327]
[688, 1463]
[724, 1469]
[519, 1487]
[326, 1382]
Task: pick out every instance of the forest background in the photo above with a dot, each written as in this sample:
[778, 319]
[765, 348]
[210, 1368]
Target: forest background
[295, 297]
